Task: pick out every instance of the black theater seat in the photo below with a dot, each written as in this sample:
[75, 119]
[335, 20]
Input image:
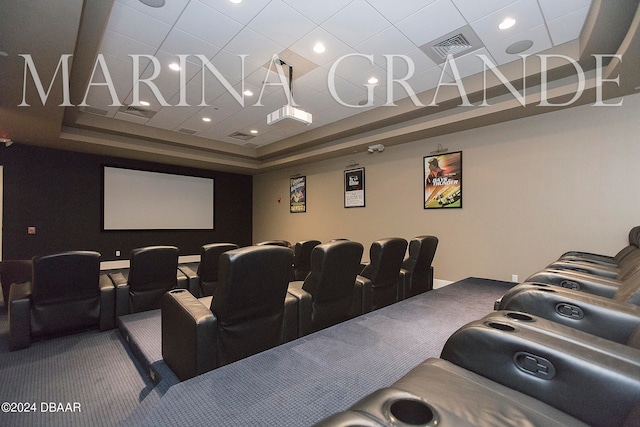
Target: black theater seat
[439, 393]
[634, 239]
[594, 381]
[416, 274]
[153, 270]
[378, 281]
[326, 295]
[302, 258]
[67, 293]
[203, 276]
[245, 315]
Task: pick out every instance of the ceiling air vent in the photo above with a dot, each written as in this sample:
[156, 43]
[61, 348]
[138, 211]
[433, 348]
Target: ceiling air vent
[452, 46]
[136, 111]
[459, 42]
[242, 136]
[187, 131]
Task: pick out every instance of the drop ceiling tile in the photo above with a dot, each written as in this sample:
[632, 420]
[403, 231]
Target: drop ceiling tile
[468, 64]
[395, 11]
[316, 79]
[215, 113]
[538, 35]
[257, 47]
[318, 11]
[431, 22]
[526, 13]
[179, 42]
[232, 66]
[356, 23]
[553, 9]
[426, 80]
[335, 48]
[388, 42]
[137, 25]
[353, 65]
[170, 118]
[400, 65]
[208, 24]
[168, 13]
[472, 10]
[567, 27]
[243, 12]
[281, 23]
[119, 45]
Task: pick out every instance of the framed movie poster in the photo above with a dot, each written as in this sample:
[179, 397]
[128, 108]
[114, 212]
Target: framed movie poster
[443, 181]
[298, 194]
[354, 188]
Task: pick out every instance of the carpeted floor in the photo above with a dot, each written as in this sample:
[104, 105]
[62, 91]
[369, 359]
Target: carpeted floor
[297, 384]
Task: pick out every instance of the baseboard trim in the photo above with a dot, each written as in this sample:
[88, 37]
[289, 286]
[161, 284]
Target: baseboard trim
[439, 283]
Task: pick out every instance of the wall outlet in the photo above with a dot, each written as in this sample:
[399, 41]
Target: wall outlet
[514, 278]
[31, 230]
[117, 253]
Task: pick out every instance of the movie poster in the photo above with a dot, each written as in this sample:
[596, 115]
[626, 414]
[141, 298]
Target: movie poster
[443, 181]
[298, 194]
[354, 188]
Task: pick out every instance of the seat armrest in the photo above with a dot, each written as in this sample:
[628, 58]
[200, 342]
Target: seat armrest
[107, 303]
[404, 279]
[188, 334]
[304, 307]
[362, 296]
[606, 318]
[193, 278]
[602, 286]
[19, 307]
[121, 286]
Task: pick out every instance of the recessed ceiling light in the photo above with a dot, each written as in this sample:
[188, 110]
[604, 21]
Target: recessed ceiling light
[206, 119]
[145, 103]
[174, 66]
[253, 131]
[153, 3]
[519, 47]
[248, 92]
[507, 23]
[319, 48]
[235, 1]
[372, 81]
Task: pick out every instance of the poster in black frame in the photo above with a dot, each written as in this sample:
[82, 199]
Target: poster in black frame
[298, 194]
[442, 180]
[354, 194]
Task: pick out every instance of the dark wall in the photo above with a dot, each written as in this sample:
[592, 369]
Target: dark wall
[60, 193]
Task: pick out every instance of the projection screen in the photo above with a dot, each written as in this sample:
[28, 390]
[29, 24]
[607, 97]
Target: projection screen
[142, 200]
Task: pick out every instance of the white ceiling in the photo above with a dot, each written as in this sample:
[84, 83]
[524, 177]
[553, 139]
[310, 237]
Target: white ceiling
[221, 31]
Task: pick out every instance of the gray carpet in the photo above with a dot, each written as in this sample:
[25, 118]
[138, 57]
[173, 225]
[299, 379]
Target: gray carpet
[297, 384]
[91, 368]
[302, 382]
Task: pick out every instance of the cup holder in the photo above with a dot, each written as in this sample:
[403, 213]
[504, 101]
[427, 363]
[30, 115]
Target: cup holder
[520, 316]
[501, 326]
[412, 412]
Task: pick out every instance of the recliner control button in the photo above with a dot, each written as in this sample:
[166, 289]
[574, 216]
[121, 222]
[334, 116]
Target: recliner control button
[570, 284]
[534, 365]
[569, 310]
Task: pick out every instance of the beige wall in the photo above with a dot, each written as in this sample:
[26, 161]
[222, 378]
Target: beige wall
[532, 189]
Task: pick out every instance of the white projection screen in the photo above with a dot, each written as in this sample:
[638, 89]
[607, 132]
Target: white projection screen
[141, 200]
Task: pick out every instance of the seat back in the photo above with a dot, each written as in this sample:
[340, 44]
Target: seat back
[65, 293]
[334, 267]
[629, 290]
[302, 258]
[249, 300]
[283, 243]
[385, 257]
[208, 267]
[152, 272]
[422, 249]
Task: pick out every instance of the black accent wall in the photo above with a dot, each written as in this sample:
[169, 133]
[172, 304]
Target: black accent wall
[60, 193]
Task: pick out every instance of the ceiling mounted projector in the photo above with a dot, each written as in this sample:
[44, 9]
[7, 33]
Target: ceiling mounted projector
[289, 112]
